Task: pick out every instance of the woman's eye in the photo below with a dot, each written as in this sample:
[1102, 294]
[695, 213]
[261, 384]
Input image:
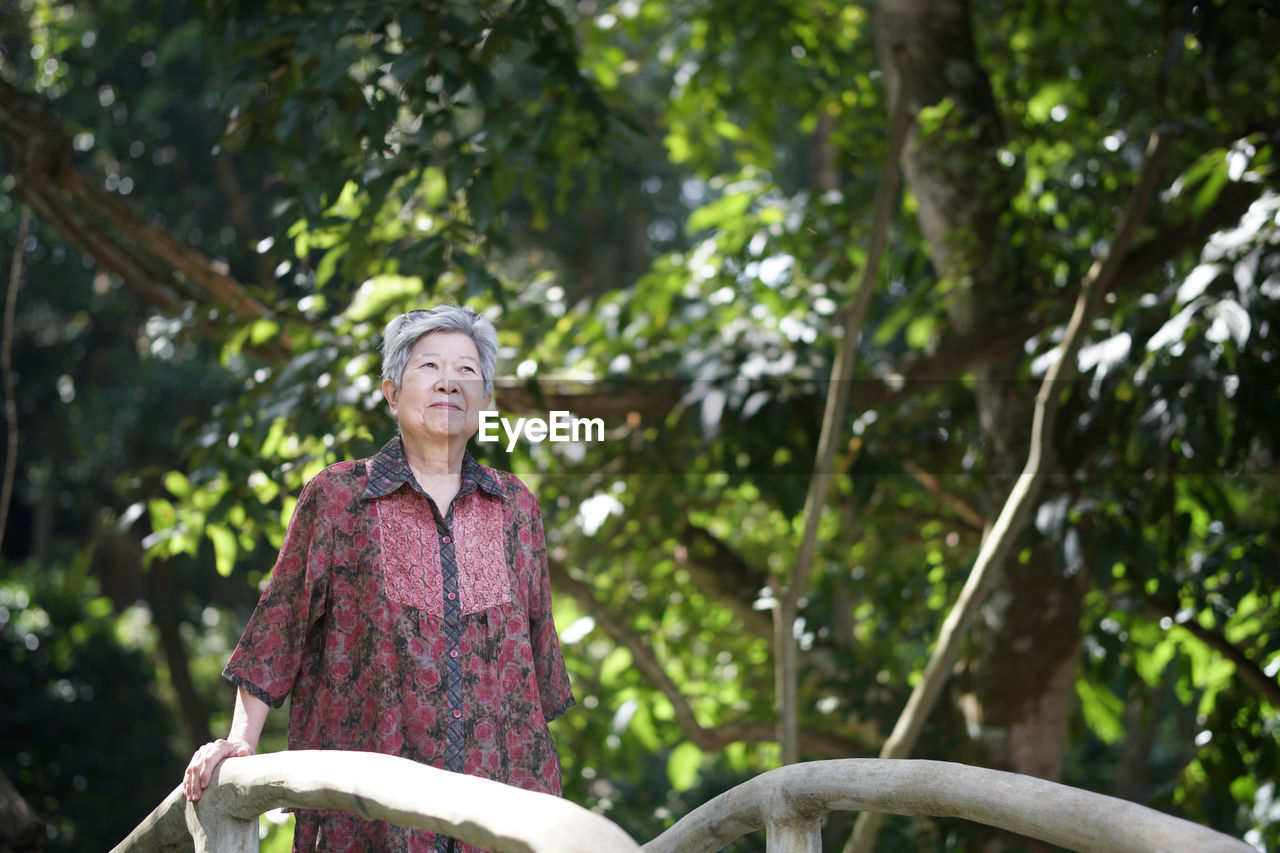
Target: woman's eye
[469, 368]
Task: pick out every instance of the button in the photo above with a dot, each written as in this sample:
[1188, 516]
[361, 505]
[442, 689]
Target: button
[453, 654]
[452, 596]
[457, 715]
[446, 540]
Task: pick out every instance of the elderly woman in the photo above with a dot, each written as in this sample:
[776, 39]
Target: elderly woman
[409, 611]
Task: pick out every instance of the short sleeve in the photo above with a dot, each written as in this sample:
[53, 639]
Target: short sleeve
[553, 679]
[269, 654]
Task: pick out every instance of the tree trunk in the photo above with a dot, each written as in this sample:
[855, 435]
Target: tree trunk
[1023, 675]
[1022, 678]
[21, 830]
[195, 714]
[1135, 758]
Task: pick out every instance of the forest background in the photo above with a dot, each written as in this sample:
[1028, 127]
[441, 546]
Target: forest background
[211, 208]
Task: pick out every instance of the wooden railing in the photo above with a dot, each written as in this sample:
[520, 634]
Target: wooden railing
[788, 803]
[478, 811]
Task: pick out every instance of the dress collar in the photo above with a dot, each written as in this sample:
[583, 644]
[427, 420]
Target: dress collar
[389, 470]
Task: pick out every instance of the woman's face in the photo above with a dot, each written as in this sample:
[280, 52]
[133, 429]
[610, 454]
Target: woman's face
[441, 392]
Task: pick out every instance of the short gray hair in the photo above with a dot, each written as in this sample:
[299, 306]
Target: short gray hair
[404, 331]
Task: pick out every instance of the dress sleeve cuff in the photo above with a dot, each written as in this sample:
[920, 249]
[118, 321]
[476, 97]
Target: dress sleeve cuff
[240, 681]
[559, 711]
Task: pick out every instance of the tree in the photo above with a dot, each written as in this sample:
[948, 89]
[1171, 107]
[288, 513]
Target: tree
[478, 146]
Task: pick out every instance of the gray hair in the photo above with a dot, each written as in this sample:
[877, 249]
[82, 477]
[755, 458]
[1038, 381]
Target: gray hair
[404, 331]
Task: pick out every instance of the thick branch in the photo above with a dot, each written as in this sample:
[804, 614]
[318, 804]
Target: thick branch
[959, 505]
[211, 278]
[374, 786]
[953, 357]
[6, 368]
[21, 830]
[724, 575]
[102, 225]
[1247, 668]
[592, 400]
[647, 663]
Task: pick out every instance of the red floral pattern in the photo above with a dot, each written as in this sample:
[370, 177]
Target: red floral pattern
[352, 624]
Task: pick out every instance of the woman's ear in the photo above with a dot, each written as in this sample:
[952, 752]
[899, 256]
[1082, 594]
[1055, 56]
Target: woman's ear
[392, 395]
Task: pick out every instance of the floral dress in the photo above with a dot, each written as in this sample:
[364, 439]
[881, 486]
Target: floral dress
[400, 630]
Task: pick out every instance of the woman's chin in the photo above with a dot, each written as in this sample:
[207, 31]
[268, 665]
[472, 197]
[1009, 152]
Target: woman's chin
[448, 431]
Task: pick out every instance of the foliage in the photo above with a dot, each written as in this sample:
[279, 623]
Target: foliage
[401, 131]
[663, 199]
[67, 666]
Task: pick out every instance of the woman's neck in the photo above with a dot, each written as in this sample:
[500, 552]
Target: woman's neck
[434, 459]
[437, 470]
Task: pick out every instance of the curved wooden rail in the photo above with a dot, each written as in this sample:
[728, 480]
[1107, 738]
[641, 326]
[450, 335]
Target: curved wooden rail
[478, 811]
[789, 802]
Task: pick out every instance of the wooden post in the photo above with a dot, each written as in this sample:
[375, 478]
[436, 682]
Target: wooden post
[214, 830]
[798, 835]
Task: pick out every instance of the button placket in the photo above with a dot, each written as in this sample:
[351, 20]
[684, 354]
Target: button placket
[453, 636]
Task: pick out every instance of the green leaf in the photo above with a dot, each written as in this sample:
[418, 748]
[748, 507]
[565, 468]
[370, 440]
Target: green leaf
[682, 766]
[1103, 711]
[161, 513]
[1043, 102]
[920, 331]
[177, 484]
[1210, 190]
[329, 264]
[615, 663]
[1151, 662]
[224, 548]
[263, 331]
[407, 65]
[720, 212]
[275, 437]
[377, 295]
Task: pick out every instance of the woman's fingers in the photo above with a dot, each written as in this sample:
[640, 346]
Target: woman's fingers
[195, 768]
[200, 769]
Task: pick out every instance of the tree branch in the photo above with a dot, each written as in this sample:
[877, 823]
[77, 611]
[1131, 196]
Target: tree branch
[6, 367]
[1247, 668]
[103, 226]
[647, 663]
[724, 575]
[41, 165]
[961, 507]
[786, 608]
[593, 399]
[21, 829]
[951, 359]
[163, 599]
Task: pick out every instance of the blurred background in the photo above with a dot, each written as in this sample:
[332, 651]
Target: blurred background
[210, 209]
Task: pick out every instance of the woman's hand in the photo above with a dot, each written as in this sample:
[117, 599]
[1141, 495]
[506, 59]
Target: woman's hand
[207, 758]
[246, 726]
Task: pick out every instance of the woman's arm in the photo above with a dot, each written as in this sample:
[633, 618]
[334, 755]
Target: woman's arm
[246, 727]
